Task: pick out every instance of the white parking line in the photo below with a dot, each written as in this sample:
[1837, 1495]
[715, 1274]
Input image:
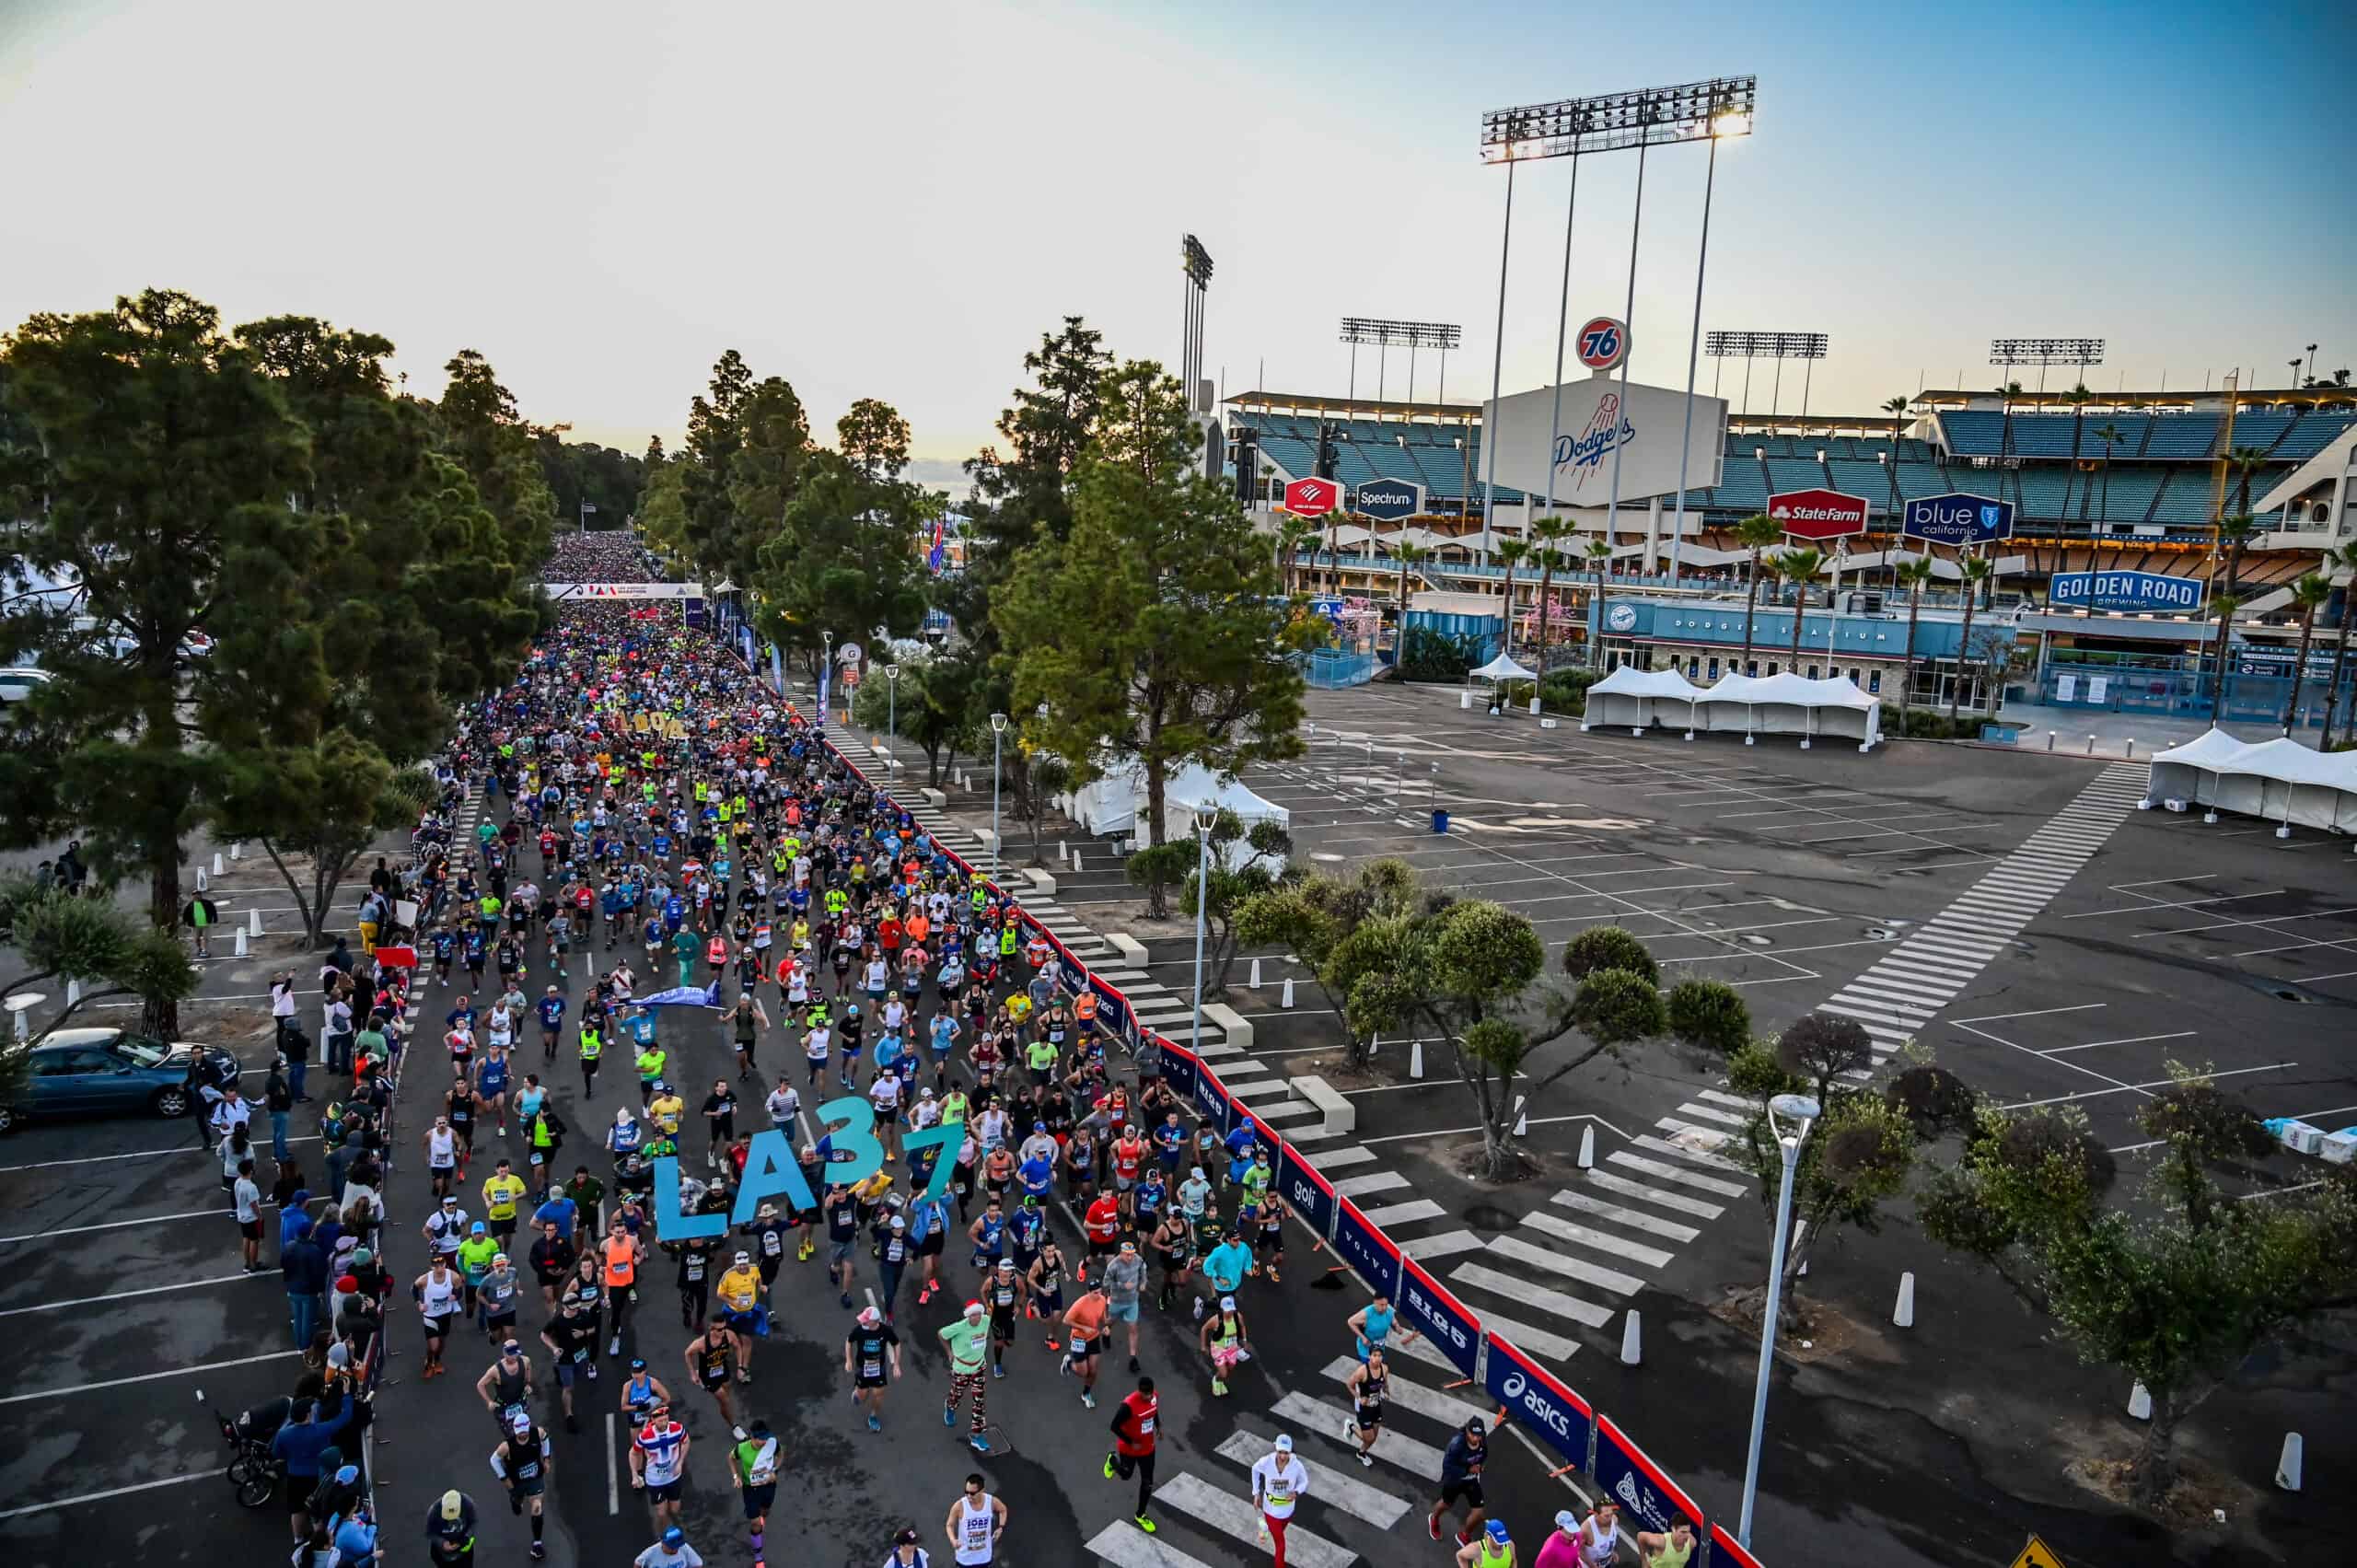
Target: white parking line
[130, 1155]
[2140, 1088]
[146, 1378]
[113, 1491]
[127, 1294]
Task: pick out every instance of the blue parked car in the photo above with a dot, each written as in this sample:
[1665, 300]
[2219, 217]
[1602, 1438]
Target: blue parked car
[111, 1071]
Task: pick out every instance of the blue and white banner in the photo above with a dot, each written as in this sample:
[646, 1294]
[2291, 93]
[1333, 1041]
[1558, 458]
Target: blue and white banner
[2128, 593]
[1958, 518]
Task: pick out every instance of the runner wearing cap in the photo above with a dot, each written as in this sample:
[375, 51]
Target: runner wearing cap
[1134, 1434]
[450, 1530]
[1492, 1547]
[523, 1461]
[872, 1357]
[505, 1387]
[708, 1356]
[572, 1338]
[967, 1341]
[642, 1392]
[695, 1280]
[753, 1464]
[1002, 1292]
[1460, 1480]
[1279, 1483]
[671, 1551]
[906, 1552]
[741, 1310]
[1222, 1337]
[439, 1294]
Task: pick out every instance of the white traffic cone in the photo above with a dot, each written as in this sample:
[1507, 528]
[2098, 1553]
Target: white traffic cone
[1632, 1341]
[1588, 1147]
[237, 851]
[1254, 983]
[1416, 1059]
[2140, 1404]
[1904, 1313]
[1286, 1000]
[217, 863]
[73, 992]
[1521, 1120]
[241, 942]
[2287, 1468]
[253, 922]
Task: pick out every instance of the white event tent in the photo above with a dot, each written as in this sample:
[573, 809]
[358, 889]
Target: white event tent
[1115, 804]
[1754, 705]
[1641, 699]
[2280, 780]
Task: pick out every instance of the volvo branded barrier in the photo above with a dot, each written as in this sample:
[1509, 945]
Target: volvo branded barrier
[1442, 1319]
[1528, 1392]
[1547, 1408]
[1654, 1501]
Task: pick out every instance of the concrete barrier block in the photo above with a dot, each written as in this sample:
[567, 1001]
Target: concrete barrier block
[934, 798]
[1336, 1114]
[1041, 881]
[1130, 950]
[1231, 1024]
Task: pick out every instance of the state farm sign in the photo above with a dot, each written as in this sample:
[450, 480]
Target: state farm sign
[1818, 514]
[1312, 497]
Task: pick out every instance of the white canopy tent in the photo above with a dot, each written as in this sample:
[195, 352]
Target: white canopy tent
[2279, 780]
[1115, 804]
[1641, 699]
[1502, 668]
[1791, 704]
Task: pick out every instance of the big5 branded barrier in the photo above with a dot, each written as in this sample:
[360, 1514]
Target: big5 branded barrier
[1549, 1409]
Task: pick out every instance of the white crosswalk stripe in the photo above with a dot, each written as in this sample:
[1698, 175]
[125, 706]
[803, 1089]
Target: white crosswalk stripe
[1328, 1485]
[1233, 1514]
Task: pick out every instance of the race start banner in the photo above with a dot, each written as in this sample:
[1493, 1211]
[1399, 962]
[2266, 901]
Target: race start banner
[1442, 1319]
[1545, 1406]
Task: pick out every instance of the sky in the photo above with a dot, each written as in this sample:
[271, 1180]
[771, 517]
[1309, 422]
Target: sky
[898, 200]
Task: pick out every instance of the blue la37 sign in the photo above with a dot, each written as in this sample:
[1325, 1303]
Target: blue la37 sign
[772, 1171]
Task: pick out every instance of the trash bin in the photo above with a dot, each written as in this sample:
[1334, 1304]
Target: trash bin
[1440, 821]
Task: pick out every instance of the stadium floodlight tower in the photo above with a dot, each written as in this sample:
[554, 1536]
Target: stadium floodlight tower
[1690, 112]
[2044, 353]
[1777, 346]
[1196, 263]
[1358, 329]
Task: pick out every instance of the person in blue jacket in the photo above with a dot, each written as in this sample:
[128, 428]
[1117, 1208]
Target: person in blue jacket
[298, 1446]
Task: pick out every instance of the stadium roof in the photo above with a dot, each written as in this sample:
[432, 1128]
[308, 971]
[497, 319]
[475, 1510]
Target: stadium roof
[1359, 408]
[2183, 396]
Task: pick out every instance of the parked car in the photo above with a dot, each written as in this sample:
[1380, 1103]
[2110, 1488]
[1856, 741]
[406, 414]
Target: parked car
[109, 1072]
[17, 683]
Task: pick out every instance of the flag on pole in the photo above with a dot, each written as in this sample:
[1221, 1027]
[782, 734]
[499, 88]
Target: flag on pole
[934, 557]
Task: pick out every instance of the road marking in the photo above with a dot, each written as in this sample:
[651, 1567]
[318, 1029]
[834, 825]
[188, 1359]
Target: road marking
[1553, 1302]
[146, 1378]
[1673, 1173]
[127, 1294]
[1426, 1249]
[2128, 1039]
[1586, 1273]
[112, 1224]
[1404, 1214]
[1307, 1414]
[2139, 1089]
[2033, 1013]
[1617, 1247]
[113, 1491]
[1236, 1516]
[613, 1476]
[1348, 1493]
[1679, 1151]
[1355, 1187]
[131, 1155]
[1652, 1226]
[1412, 1395]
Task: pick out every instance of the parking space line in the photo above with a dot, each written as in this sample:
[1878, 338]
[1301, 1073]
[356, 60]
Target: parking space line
[128, 1154]
[127, 1294]
[146, 1378]
[2127, 1039]
[2033, 1013]
[110, 1225]
[2189, 903]
[2138, 1088]
[113, 1491]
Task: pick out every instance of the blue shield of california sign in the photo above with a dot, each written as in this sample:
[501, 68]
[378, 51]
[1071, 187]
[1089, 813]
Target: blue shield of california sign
[2127, 593]
[1957, 519]
[1388, 500]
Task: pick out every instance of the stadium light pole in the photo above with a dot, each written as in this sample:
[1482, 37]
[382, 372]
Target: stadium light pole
[1803, 1110]
[1497, 370]
[998, 736]
[1621, 410]
[1562, 327]
[1722, 125]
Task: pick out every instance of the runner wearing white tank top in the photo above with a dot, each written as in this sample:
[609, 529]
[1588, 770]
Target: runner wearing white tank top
[976, 1521]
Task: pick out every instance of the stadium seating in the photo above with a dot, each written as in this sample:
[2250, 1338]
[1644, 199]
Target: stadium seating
[2182, 436]
[1796, 473]
[1868, 478]
[2314, 432]
[1973, 432]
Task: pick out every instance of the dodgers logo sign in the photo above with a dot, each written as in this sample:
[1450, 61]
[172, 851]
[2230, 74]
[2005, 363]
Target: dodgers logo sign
[1957, 519]
[1603, 343]
[2127, 593]
[1583, 454]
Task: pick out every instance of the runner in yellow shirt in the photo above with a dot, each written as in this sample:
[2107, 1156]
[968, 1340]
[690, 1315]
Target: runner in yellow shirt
[500, 1191]
[741, 1310]
[668, 1108]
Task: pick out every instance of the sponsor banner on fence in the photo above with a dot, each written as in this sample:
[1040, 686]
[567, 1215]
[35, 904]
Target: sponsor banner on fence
[1210, 1098]
[1439, 1316]
[1179, 1069]
[1725, 1549]
[1113, 1014]
[1368, 1249]
[1545, 1406]
[1309, 1194]
[1641, 1487]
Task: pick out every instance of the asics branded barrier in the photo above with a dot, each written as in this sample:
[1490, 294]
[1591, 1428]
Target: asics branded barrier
[1546, 1407]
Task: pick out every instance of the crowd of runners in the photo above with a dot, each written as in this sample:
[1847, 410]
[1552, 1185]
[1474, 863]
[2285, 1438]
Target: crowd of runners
[648, 815]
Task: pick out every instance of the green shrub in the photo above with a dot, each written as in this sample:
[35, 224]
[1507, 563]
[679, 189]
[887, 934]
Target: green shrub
[1427, 655]
[1710, 1014]
[1609, 947]
[1754, 1072]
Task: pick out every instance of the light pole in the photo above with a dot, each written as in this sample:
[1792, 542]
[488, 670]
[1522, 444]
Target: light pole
[1206, 817]
[1803, 1110]
[892, 701]
[998, 736]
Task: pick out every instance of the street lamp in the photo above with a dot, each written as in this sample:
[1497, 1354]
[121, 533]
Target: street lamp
[892, 701]
[1206, 819]
[1802, 1110]
[998, 735]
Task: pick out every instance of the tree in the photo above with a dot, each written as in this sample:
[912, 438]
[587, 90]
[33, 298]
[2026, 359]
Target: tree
[2223, 606]
[60, 937]
[160, 453]
[931, 704]
[2308, 595]
[1549, 532]
[2110, 435]
[1819, 1048]
[1800, 565]
[2234, 536]
[1409, 555]
[1321, 918]
[482, 429]
[1915, 576]
[1247, 863]
[1755, 533]
[607, 479]
[843, 557]
[1709, 1014]
[1153, 631]
[1975, 570]
[2342, 559]
[1022, 496]
[1510, 554]
[765, 471]
[1897, 408]
[2078, 397]
[2179, 1299]
[1599, 556]
[323, 803]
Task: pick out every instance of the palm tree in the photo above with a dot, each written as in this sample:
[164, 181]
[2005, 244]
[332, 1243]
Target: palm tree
[2342, 559]
[1976, 570]
[1409, 555]
[1510, 554]
[1897, 409]
[1548, 532]
[1802, 565]
[2110, 437]
[1914, 575]
[1599, 555]
[2308, 594]
[1293, 534]
[2246, 461]
[1755, 533]
[2078, 398]
[2233, 533]
[2223, 606]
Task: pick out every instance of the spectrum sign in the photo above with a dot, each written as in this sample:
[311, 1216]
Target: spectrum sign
[1818, 514]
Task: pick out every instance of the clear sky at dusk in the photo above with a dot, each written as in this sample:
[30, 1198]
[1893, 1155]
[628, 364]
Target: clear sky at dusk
[895, 201]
